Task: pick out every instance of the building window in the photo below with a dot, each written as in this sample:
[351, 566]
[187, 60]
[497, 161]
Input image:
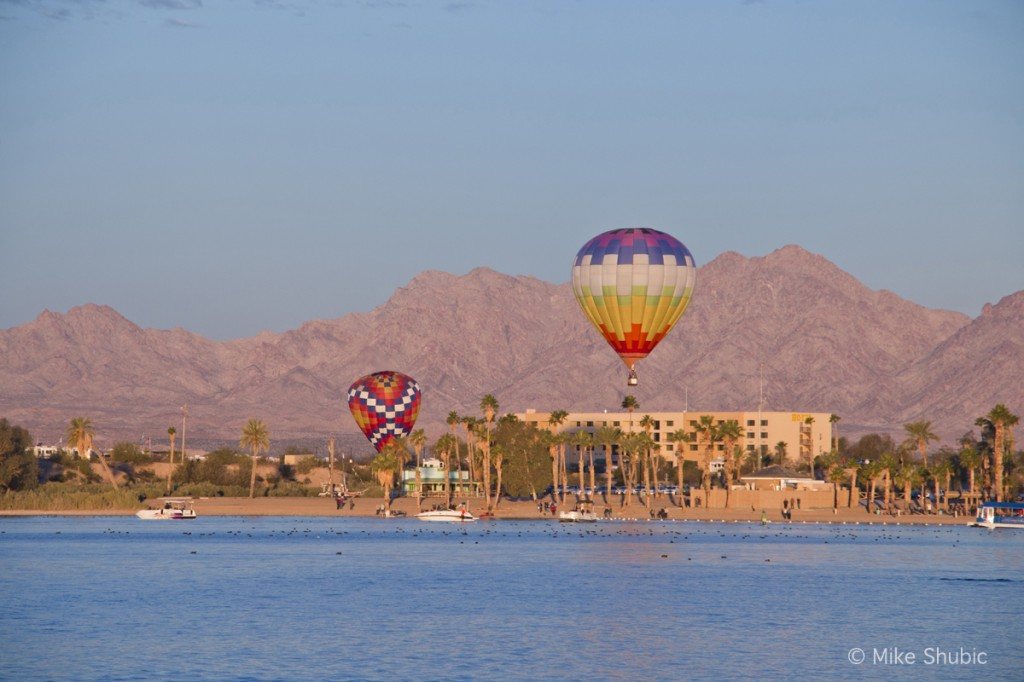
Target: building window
[720, 446]
[668, 446]
[579, 424]
[764, 434]
[670, 423]
[750, 434]
[750, 447]
[590, 423]
[693, 447]
[657, 437]
[764, 422]
[616, 424]
[750, 422]
[693, 423]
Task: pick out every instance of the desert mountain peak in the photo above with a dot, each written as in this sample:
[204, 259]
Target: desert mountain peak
[826, 341]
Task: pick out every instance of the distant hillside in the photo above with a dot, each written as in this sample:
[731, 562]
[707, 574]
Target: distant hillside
[826, 342]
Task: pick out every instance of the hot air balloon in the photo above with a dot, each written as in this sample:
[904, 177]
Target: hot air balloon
[385, 406]
[633, 284]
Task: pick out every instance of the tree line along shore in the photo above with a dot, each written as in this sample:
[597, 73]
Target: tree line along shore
[500, 464]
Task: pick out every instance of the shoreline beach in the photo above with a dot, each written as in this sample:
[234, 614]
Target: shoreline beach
[507, 510]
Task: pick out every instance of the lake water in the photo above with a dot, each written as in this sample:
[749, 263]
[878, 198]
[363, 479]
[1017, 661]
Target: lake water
[109, 598]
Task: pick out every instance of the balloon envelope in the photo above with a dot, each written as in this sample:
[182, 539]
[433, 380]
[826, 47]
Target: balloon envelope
[633, 284]
[385, 406]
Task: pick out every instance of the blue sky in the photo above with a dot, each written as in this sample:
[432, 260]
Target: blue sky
[230, 167]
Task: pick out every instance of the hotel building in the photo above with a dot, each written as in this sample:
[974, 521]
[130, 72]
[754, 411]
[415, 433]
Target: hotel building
[802, 432]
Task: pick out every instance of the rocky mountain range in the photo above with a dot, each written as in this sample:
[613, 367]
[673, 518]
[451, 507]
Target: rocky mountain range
[823, 340]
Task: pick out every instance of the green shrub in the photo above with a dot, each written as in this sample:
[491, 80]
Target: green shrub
[70, 496]
[19, 469]
[129, 453]
[306, 464]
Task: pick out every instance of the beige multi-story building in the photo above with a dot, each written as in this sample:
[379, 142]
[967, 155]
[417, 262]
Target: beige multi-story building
[804, 433]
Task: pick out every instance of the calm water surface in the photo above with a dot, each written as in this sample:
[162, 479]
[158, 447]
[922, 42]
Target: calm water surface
[278, 599]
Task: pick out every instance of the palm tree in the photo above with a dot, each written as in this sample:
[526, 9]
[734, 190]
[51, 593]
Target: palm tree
[647, 424]
[730, 432]
[418, 441]
[833, 419]
[679, 437]
[970, 458]
[498, 458]
[470, 425]
[608, 437]
[810, 447]
[987, 449]
[630, 403]
[654, 454]
[887, 465]
[557, 452]
[444, 447]
[1003, 420]
[401, 453]
[646, 446]
[489, 407]
[454, 421]
[752, 461]
[780, 452]
[171, 434]
[941, 472]
[707, 434]
[629, 446]
[383, 467]
[871, 471]
[535, 442]
[255, 437]
[588, 445]
[920, 433]
[80, 434]
[835, 473]
[483, 447]
[908, 476]
[583, 442]
[852, 470]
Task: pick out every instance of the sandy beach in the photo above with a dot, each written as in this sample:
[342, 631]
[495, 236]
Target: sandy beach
[364, 507]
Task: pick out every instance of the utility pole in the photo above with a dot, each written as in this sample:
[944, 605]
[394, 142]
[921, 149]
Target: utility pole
[760, 411]
[184, 416]
[330, 453]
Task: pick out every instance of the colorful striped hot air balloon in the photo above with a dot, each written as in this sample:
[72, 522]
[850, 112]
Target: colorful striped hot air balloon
[633, 284]
[385, 406]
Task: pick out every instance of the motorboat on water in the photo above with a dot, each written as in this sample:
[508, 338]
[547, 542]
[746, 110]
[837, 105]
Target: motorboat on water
[994, 515]
[577, 516]
[447, 515]
[173, 509]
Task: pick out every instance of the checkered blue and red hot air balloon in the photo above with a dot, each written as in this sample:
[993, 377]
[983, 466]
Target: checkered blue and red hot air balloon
[633, 284]
[385, 406]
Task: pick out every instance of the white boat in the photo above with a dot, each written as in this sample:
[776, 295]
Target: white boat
[994, 515]
[576, 516]
[173, 509]
[448, 515]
